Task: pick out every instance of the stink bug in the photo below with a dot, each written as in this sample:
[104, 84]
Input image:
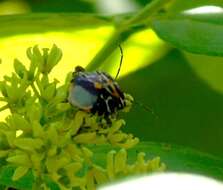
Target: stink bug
[96, 92]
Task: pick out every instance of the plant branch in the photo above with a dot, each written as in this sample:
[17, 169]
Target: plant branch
[147, 11]
[123, 32]
[35, 90]
[2, 99]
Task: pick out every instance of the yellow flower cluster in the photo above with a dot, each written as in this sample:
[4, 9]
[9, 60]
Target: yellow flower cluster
[117, 167]
[61, 152]
[96, 130]
[48, 138]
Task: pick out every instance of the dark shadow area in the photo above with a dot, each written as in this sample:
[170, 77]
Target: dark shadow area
[190, 112]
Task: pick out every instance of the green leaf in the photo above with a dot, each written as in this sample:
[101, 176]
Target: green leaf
[196, 33]
[179, 5]
[45, 22]
[176, 158]
[25, 182]
[3, 187]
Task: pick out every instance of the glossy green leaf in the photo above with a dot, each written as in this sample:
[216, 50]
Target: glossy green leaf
[197, 33]
[176, 158]
[24, 183]
[189, 106]
[178, 5]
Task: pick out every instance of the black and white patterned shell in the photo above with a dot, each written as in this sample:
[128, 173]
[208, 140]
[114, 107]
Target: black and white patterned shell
[95, 92]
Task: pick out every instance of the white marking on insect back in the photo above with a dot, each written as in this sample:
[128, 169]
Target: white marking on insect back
[122, 101]
[108, 90]
[104, 77]
[107, 105]
[81, 98]
[106, 102]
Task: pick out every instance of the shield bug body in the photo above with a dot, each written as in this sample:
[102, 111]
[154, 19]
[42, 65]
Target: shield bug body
[98, 92]
[95, 92]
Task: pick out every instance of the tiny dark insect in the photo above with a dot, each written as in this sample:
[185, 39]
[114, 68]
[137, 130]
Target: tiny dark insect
[96, 92]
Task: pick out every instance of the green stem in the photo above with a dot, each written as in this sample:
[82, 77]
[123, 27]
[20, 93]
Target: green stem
[147, 11]
[106, 50]
[119, 35]
[4, 107]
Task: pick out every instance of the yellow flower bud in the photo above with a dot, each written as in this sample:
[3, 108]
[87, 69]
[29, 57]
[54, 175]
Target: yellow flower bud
[74, 152]
[52, 135]
[85, 138]
[110, 164]
[52, 151]
[129, 143]
[55, 163]
[53, 58]
[100, 174]
[36, 159]
[37, 130]
[63, 106]
[130, 169]
[141, 166]
[117, 137]
[90, 181]
[154, 164]
[73, 168]
[128, 97]
[28, 143]
[49, 92]
[4, 153]
[77, 181]
[100, 139]
[77, 122]
[120, 161]
[22, 159]
[10, 135]
[87, 152]
[34, 112]
[18, 122]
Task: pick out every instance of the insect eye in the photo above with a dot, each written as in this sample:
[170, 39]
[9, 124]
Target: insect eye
[79, 69]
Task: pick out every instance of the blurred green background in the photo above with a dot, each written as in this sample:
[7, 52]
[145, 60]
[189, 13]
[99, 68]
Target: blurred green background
[185, 90]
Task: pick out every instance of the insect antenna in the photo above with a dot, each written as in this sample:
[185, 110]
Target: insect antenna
[145, 107]
[121, 59]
